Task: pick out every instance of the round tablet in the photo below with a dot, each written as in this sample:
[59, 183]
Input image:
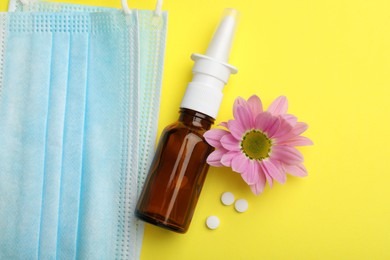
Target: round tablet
[241, 205]
[227, 198]
[212, 222]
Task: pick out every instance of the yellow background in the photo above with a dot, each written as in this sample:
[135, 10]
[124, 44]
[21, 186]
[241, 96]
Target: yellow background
[331, 58]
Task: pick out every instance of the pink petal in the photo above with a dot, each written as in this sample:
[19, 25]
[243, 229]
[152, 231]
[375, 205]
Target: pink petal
[223, 124]
[214, 158]
[286, 154]
[255, 105]
[213, 137]
[274, 170]
[267, 123]
[230, 143]
[283, 129]
[244, 116]
[260, 184]
[267, 176]
[279, 106]
[240, 163]
[256, 189]
[251, 175]
[227, 158]
[299, 128]
[272, 126]
[291, 119]
[297, 141]
[236, 129]
[239, 102]
[263, 120]
[296, 170]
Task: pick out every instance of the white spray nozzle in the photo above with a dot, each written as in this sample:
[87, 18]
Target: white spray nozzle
[221, 43]
[211, 71]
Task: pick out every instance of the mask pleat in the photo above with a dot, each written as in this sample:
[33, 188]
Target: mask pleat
[152, 39]
[152, 46]
[107, 157]
[23, 116]
[71, 174]
[54, 145]
[126, 222]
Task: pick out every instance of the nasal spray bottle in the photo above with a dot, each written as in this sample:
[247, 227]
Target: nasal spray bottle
[179, 167]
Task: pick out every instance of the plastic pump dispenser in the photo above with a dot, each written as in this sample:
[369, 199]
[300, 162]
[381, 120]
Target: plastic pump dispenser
[211, 71]
[179, 167]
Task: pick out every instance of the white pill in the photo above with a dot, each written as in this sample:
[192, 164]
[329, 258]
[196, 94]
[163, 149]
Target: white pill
[227, 198]
[212, 222]
[241, 205]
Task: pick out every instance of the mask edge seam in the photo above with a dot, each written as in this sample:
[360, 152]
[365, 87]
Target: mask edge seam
[3, 33]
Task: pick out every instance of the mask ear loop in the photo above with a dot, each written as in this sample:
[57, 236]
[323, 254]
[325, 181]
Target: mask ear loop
[125, 7]
[157, 11]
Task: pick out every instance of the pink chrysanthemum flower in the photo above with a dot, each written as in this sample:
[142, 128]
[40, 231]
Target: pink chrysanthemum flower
[259, 144]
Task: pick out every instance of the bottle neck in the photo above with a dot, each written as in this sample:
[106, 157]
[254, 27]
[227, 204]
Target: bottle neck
[196, 119]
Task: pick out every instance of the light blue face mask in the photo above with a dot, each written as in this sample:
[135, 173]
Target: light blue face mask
[152, 28]
[69, 94]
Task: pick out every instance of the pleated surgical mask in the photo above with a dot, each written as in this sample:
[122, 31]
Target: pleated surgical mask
[152, 32]
[70, 103]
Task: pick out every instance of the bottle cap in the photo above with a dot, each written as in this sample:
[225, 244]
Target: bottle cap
[211, 70]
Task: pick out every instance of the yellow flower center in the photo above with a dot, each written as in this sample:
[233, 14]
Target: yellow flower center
[256, 145]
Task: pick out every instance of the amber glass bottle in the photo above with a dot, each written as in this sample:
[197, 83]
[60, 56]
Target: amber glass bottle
[177, 173]
[179, 167]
